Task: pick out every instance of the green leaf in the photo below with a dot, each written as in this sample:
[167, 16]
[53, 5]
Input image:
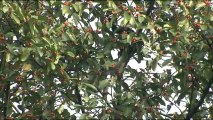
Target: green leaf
[9, 107]
[90, 86]
[182, 23]
[173, 31]
[45, 114]
[99, 25]
[26, 67]
[76, 7]
[73, 117]
[207, 73]
[211, 17]
[10, 34]
[166, 62]
[105, 117]
[124, 22]
[8, 57]
[107, 48]
[31, 26]
[141, 19]
[52, 2]
[16, 19]
[108, 25]
[82, 8]
[25, 54]
[83, 117]
[111, 4]
[127, 16]
[52, 65]
[129, 38]
[57, 57]
[107, 9]
[60, 109]
[103, 84]
[144, 37]
[127, 112]
[40, 52]
[66, 76]
[203, 27]
[154, 64]
[5, 9]
[71, 54]
[59, 27]
[90, 38]
[66, 114]
[46, 40]
[132, 20]
[166, 26]
[20, 13]
[198, 55]
[65, 37]
[66, 10]
[114, 6]
[200, 4]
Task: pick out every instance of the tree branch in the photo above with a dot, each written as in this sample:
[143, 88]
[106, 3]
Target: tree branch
[7, 91]
[191, 95]
[195, 108]
[150, 8]
[78, 95]
[79, 100]
[5, 96]
[206, 89]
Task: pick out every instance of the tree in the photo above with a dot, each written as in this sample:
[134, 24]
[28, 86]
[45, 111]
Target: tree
[56, 59]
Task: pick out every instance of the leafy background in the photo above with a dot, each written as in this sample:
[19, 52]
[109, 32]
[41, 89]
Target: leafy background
[56, 57]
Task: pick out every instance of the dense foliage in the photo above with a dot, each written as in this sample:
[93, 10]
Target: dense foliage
[71, 59]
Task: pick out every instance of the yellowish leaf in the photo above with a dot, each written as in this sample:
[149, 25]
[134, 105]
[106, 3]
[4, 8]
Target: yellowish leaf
[26, 67]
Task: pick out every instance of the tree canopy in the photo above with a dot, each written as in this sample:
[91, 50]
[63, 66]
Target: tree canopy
[71, 59]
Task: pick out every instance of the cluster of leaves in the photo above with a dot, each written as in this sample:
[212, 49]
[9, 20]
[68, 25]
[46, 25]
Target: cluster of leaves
[57, 62]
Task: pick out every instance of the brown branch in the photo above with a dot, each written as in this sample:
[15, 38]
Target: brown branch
[5, 96]
[205, 91]
[7, 91]
[126, 54]
[191, 95]
[78, 95]
[151, 7]
[195, 108]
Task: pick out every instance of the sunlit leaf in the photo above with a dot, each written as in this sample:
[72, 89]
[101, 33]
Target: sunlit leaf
[127, 16]
[141, 19]
[103, 84]
[200, 4]
[129, 38]
[25, 54]
[52, 65]
[66, 10]
[76, 7]
[60, 109]
[16, 19]
[83, 117]
[5, 9]
[132, 20]
[8, 57]
[26, 67]
[71, 54]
